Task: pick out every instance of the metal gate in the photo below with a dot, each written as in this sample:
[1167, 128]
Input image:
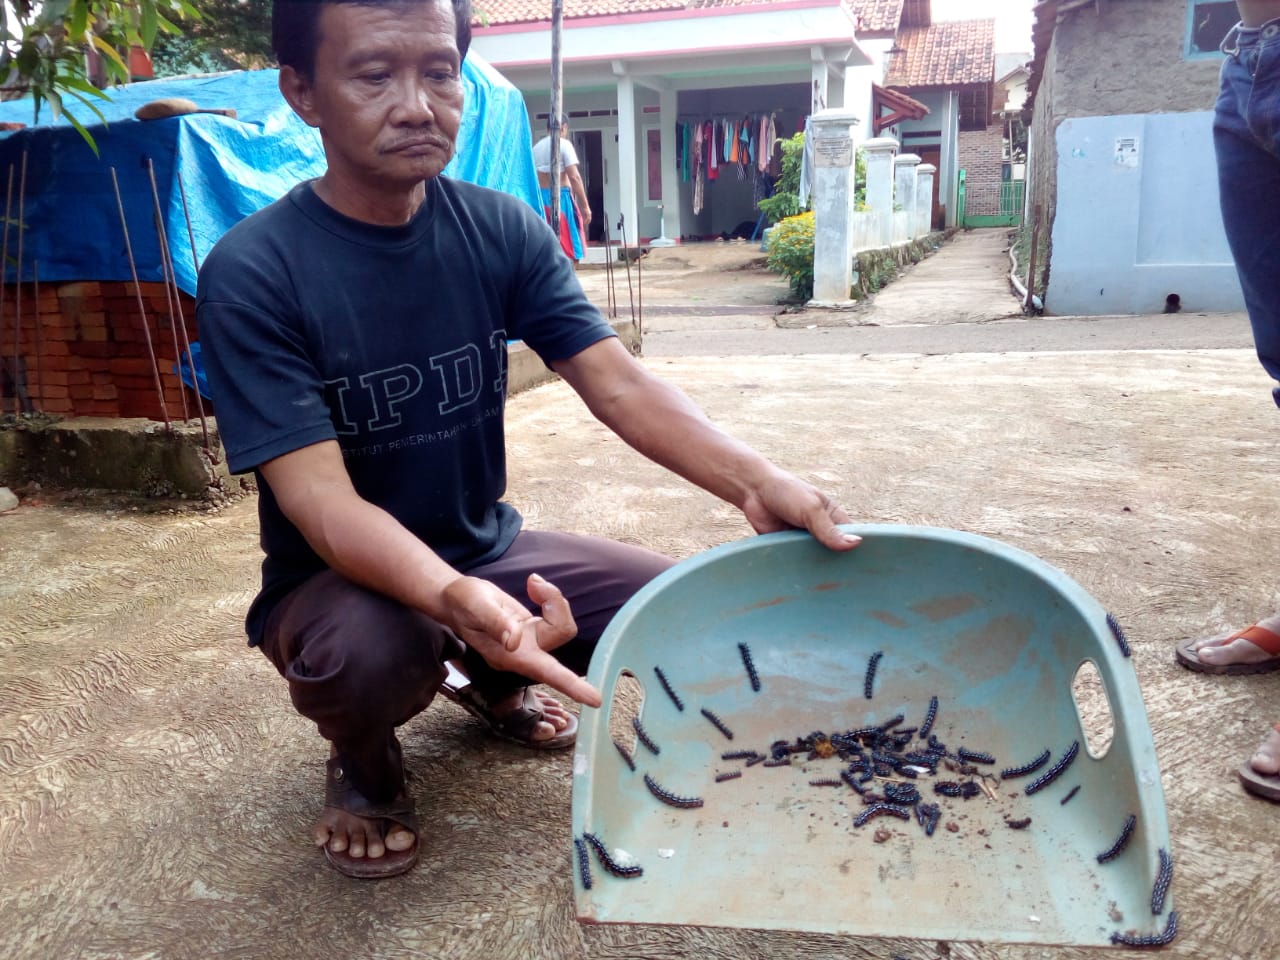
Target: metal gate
[1012, 193]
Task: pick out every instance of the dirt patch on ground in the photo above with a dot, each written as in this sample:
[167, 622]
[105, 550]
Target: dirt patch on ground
[719, 275]
[156, 786]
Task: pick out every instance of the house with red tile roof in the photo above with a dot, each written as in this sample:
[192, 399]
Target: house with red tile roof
[1123, 181]
[949, 66]
[674, 106]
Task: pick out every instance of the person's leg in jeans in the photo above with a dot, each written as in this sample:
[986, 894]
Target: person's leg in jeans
[1247, 142]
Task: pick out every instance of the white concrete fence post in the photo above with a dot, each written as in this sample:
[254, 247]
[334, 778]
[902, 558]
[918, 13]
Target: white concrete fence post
[833, 171]
[904, 194]
[924, 198]
[880, 153]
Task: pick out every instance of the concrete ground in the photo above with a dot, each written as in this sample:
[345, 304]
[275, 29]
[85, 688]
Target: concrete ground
[156, 787]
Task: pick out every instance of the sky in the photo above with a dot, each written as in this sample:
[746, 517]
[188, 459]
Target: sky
[1013, 19]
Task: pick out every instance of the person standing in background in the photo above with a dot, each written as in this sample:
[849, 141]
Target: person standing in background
[1246, 134]
[575, 211]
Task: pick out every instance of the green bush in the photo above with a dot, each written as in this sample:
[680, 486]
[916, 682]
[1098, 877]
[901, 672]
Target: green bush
[791, 253]
[785, 201]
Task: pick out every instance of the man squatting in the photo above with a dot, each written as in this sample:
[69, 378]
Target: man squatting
[370, 308]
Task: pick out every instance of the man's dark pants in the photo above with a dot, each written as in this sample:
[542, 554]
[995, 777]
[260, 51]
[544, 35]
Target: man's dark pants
[360, 664]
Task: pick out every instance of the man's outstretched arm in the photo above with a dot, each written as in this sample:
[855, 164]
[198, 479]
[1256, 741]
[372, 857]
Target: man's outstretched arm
[662, 423]
[367, 545]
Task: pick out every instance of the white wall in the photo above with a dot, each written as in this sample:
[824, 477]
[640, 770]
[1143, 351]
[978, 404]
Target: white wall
[940, 125]
[1135, 226]
[741, 29]
[857, 86]
[1015, 94]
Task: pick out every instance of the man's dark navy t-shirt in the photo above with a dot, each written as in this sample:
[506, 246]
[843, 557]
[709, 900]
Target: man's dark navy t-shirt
[393, 341]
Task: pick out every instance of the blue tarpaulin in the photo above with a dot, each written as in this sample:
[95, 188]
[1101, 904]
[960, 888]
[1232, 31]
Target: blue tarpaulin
[229, 169]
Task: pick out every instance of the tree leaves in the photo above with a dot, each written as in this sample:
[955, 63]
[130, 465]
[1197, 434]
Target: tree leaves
[43, 47]
[228, 34]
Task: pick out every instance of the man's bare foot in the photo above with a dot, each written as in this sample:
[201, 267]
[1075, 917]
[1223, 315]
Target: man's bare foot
[555, 717]
[1261, 775]
[1266, 759]
[1253, 650]
[359, 837]
[527, 716]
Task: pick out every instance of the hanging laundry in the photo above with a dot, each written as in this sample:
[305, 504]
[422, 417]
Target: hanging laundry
[775, 149]
[766, 144]
[717, 136]
[806, 165]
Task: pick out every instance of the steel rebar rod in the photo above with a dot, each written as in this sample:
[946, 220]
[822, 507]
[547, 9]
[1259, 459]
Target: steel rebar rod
[610, 296]
[186, 215]
[171, 280]
[39, 334]
[142, 308]
[169, 290]
[17, 296]
[626, 253]
[4, 262]
[639, 290]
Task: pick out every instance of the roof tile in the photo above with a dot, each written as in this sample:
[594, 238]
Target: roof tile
[946, 54]
[497, 12]
[876, 16]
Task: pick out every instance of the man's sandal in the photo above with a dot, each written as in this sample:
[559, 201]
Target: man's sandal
[341, 794]
[1258, 636]
[515, 726]
[1266, 785]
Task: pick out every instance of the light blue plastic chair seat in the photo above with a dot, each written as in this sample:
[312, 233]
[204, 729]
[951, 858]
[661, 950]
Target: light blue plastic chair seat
[994, 633]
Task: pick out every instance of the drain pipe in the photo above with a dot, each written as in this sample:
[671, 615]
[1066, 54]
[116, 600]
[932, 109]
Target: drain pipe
[1018, 285]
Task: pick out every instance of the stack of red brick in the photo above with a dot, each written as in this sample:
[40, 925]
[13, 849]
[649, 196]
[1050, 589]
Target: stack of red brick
[82, 350]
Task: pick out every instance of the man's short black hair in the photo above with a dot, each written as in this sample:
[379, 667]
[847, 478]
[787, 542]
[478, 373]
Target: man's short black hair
[295, 28]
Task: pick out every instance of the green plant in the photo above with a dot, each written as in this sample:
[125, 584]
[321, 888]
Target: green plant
[791, 253]
[860, 179]
[43, 45]
[785, 201]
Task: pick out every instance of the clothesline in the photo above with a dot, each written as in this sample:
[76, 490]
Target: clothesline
[741, 142]
[730, 115]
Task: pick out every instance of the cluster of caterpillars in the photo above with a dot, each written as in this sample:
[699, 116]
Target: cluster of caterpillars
[886, 756]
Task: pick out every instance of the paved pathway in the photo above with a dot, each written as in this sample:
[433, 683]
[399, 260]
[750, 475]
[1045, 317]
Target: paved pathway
[967, 280]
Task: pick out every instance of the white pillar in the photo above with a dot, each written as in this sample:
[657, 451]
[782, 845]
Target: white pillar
[670, 175]
[857, 98]
[904, 192]
[833, 171]
[924, 197]
[949, 175]
[880, 151]
[627, 179]
[818, 86]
